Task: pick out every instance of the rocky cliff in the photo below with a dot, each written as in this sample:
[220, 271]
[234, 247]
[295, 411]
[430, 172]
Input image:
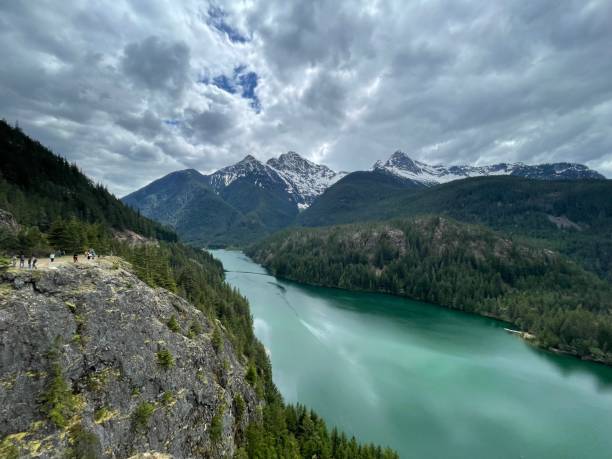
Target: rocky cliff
[94, 363]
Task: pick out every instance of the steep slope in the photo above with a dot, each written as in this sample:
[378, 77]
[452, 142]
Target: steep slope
[89, 364]
[306, 179]
[257, 191]
[459, 266]
[37, 186]
[402, 165]
[162, 199]
[343, 200]
[185, 201]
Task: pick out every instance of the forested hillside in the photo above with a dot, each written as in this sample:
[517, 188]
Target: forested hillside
[341, 203]
[58, 208]
[573, 217]
[460, 266]
[185, 201]
[38, 187]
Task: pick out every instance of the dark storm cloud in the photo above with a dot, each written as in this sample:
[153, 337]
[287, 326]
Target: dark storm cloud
[326, 96]
[133, 91]
[157, 64]
[209, 127]
[146, 124]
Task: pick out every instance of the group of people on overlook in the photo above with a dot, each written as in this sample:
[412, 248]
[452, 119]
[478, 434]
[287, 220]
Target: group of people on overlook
[32, 260]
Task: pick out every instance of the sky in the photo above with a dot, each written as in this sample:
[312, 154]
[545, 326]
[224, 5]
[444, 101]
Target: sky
[131, 90]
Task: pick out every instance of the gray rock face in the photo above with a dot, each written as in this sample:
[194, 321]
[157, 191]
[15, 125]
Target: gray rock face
[103, 332]
[8, 222]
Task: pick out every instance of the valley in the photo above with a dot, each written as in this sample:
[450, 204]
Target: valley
[251, 199]
[269, 229]
[426, 380]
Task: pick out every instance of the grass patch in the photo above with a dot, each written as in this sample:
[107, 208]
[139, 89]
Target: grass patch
[103, 415]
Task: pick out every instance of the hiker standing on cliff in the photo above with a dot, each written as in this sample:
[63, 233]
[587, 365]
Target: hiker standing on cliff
[30, 262]
[75, 257]
[21, 260]
[34, 260]
[52, 257]
[14, 261]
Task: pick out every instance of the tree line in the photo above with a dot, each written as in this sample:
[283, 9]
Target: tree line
[460, 266]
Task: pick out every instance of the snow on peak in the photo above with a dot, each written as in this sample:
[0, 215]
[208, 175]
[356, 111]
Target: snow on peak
[302, 179]
[306, 180]
[400, 164]
[244, 168]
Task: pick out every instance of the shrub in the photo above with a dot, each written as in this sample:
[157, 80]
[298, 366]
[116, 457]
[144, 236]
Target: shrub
[239, 407]
[58, 401]
[216, 426]
[216, 340]
[251, 375]
[85, 444]
[141, 415]
[167, 398]
[173, 324]
[165, 359]
[194, 329]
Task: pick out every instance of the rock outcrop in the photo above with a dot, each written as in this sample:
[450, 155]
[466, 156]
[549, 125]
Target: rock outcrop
[8, 222]
[95, 363]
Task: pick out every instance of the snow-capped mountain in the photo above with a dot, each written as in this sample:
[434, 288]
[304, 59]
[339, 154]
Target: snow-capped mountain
[402, 165]
[250, 169]
[303, 180]
[306, 180]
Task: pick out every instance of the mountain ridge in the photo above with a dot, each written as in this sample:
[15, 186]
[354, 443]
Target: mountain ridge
[251, 198]
[399, 163]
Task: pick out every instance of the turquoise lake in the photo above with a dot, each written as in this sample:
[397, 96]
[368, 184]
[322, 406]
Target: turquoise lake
[425, 380]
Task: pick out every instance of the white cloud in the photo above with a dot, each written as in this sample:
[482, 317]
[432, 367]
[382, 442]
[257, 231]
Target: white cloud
[125, 90]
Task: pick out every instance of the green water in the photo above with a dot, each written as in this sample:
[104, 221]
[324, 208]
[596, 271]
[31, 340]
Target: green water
[427, 381]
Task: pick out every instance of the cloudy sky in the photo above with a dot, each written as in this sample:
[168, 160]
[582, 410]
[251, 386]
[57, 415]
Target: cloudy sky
[132, 90]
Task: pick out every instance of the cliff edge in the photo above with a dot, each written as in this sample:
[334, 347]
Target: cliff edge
[95, 363]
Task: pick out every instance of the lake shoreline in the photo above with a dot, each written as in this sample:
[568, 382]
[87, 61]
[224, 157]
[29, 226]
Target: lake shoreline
[532, 341]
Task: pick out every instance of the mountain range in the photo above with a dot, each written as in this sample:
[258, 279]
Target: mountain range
[402, 165]
[250, 199]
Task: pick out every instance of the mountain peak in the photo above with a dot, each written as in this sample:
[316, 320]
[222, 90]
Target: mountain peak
[305, 180]
[291, 159]
[400, 163]
[249, 159]
[290, 154]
